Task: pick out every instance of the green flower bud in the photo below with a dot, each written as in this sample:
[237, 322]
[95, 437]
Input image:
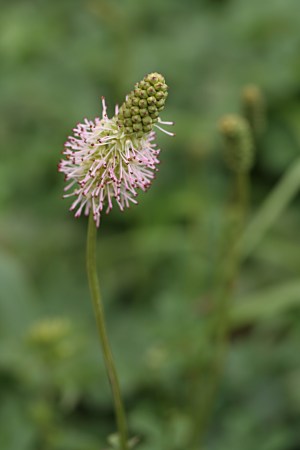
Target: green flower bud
[151, 91]
[141, 109]
[238, 143]
[143, 103]
[154, 115]
[154, 78]
[135, 101]
[143, 112]
[254, 108]
[126, 113]
[137, 127]
[128, 122]
[141, 93]
[143, 85]
[147, 120]
[134, 110]
[136, 119]
[160, 103]
[159, 95]
[152, 109]
[163, 87]
[151, 100]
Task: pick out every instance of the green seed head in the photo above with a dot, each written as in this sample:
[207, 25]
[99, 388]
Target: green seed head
[238, 143]
[141, 109]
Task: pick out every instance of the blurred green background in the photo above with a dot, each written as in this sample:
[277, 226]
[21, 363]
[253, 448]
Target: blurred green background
[157, 261]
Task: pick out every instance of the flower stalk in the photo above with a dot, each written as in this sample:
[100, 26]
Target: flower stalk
[238, 150]
[101, 327]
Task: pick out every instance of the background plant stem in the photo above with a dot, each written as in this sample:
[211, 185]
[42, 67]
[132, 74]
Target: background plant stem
[271, 209]
[100, 320]
[229, 272]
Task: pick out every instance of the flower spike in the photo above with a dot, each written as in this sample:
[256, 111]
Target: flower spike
[109, 161]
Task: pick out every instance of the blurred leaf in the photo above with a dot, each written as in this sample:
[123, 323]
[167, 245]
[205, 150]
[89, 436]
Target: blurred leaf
[17, 305]
[270, 301]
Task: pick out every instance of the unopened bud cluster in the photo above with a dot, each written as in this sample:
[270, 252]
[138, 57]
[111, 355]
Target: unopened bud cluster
[238, 143]
[143, 105]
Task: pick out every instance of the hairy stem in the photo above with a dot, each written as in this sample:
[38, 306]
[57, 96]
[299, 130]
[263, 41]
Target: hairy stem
[100, 320]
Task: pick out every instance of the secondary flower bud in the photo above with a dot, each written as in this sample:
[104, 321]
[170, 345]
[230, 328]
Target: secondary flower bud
[238, 143]
[254, 108]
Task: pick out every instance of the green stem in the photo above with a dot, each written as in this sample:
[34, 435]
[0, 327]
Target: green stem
[229, 270]
[271, 209]
[100, 320]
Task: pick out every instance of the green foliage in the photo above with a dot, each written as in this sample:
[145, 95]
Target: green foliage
[158, 262]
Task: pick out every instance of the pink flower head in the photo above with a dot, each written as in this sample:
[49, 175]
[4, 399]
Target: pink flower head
[108, 161]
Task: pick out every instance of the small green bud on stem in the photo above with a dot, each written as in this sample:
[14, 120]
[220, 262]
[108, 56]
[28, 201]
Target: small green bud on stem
[254, 108]
[238, 143]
